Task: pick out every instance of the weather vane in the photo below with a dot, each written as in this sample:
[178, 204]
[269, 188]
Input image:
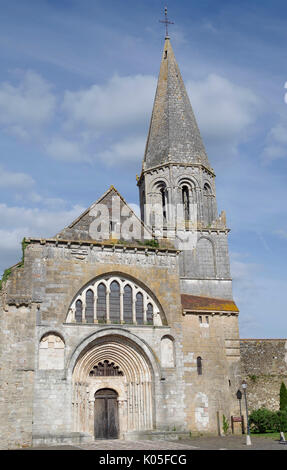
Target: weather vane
[166, 22]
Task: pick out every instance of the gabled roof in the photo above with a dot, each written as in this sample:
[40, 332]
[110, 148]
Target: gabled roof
[173, 135]
[79, 229]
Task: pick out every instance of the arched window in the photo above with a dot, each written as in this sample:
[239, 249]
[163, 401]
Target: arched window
[149, 314]
[105, 369]
[90, 306]
[199, 365]
[207, 204]
[128, 304]
[114, 302]
[139, 308]
[79, 311]
[185, 202]
[118, 300]
[164, 202]
[101, 303]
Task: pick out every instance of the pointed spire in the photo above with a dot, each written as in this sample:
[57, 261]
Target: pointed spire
[173, 134]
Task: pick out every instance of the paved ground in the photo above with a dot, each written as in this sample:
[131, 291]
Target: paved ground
[197, 443]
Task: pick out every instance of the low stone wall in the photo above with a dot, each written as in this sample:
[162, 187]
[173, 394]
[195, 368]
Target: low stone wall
[264, 368]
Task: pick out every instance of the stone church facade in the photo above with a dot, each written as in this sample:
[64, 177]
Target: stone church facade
[117, 327]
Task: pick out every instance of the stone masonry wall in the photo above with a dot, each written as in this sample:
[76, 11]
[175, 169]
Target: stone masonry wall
[264, 367]
[52, 275]
[211, 394]
[17, 344]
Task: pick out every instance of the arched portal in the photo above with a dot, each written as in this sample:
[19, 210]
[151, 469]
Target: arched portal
[113, 362]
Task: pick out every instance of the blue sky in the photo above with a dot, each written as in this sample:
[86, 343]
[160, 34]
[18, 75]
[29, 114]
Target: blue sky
[77, 85]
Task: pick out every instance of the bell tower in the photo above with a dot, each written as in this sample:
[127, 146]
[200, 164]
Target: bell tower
[177, 187]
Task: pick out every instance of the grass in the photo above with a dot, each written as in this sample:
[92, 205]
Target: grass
[269, 435]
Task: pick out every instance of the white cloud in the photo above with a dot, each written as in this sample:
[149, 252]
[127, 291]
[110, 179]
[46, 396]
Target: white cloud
[122, 101]
[9, 179]
[10, 239]
[225, 111]
[276, 143]
[54, 203]
[245, 290]
[122, 106]
[240, 269]
[85, 120]
[36, 218]
[20, 222]
[27, 105]
[67, 150]
[36, 222]
[130, 149]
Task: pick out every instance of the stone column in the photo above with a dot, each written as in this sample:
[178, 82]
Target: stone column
[95, 308]
[144, 310]
[134, 308]
[91, 422]
[108, 305]
[123, 417]
[83, 299]
[121, 304]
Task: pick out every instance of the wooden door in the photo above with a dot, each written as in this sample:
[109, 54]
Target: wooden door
[106, 414]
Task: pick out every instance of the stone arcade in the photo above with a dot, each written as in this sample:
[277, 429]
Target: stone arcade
[104, 337]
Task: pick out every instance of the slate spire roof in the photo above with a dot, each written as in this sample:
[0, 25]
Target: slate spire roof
[173, 135]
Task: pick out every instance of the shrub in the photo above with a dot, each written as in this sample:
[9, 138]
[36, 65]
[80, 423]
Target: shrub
[263, 420]
[225, 425]
[283, 397]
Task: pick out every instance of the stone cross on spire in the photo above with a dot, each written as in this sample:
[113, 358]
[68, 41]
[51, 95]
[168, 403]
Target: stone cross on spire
[166, 22]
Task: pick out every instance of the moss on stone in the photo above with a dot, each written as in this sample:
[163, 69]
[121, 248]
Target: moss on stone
[8, 271]
[5, 276]
[24, 245]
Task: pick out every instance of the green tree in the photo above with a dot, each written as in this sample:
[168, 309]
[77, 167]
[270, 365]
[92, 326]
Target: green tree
[282, 420]
[283, 397]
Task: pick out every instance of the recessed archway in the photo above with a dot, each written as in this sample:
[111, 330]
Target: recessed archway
[133, 385]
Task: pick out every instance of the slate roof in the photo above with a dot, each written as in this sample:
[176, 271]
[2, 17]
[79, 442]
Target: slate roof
[173, 135]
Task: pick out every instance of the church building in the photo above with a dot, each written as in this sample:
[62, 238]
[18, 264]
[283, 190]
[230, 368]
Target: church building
[123, 326]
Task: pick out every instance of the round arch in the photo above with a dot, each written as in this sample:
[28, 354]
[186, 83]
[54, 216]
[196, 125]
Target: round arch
[158, 182]
[135, 386]
[104, 333]
[190, 181]
[54, 333]
[208, 187]
[109, 277]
